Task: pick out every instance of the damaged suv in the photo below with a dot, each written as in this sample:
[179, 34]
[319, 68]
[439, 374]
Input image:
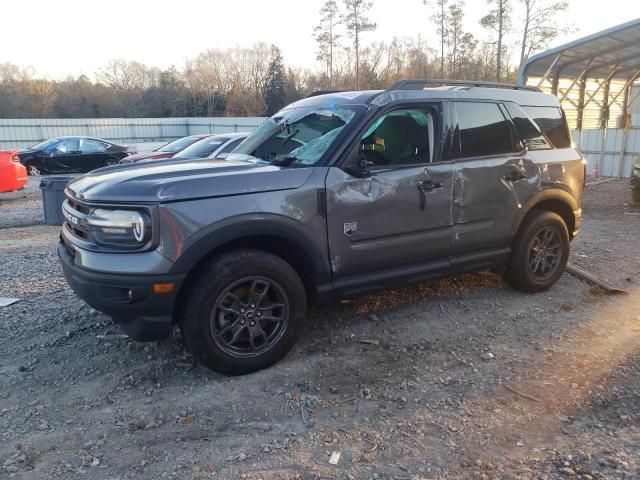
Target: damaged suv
[336, 195]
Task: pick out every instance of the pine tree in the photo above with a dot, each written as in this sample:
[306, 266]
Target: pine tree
[275, 92]
[326, 36]
[356, 23]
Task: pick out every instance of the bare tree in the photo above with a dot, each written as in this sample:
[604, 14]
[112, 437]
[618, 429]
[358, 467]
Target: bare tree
[125, 75]
[498, 19]
[540, 26]
[326, 36]
[356, 23]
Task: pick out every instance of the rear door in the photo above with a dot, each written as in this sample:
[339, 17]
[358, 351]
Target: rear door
[400, 214]
[94, 154]
[493, 177]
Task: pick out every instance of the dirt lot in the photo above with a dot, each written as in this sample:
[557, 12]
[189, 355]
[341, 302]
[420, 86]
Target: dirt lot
[463, 378]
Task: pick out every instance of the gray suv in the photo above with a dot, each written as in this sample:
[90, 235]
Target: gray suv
[336, 195]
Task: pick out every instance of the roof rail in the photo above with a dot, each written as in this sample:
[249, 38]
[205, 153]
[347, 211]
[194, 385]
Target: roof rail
[420, 84]
[323, 92]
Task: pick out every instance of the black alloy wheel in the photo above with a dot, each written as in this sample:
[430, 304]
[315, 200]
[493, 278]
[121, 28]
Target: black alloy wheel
[249, 317]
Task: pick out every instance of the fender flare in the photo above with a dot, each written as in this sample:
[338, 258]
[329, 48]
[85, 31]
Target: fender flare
[548, 194]
[257, 225]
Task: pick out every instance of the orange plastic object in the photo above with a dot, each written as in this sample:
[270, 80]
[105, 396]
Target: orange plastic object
[13, 175]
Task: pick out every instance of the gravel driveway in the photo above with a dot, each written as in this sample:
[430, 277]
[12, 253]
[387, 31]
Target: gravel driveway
[462, 378]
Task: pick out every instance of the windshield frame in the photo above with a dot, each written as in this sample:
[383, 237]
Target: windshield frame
[327, 155]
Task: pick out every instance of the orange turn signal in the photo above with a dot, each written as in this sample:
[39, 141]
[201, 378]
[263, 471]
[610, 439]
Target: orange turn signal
[163, 287]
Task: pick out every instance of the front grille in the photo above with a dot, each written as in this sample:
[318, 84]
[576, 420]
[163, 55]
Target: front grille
[75, 213]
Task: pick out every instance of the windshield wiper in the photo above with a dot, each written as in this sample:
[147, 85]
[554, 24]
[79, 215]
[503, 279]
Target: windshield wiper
[284, 162]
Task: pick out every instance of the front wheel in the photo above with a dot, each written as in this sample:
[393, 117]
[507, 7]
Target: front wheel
[244, 312]
[540, 252]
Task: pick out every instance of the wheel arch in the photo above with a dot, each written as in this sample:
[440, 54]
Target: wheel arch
[277, 238]
[552, 200]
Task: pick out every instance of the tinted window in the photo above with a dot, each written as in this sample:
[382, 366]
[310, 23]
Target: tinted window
[202, 148]
[552, 123]
[70, 145]
[527, 130]
[483, 130]
[401, 137]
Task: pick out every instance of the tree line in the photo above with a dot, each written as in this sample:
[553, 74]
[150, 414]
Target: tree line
[255, 81]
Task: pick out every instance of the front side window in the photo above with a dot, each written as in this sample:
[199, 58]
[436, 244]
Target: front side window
[401, 137]
[295, 136]
[552, 123]
[70, 145]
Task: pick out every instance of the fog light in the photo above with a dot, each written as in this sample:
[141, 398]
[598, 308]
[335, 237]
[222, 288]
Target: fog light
[163, 287]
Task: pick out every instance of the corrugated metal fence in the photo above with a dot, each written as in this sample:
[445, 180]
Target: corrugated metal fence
[614, 152]
[149, 133]
[22, 133]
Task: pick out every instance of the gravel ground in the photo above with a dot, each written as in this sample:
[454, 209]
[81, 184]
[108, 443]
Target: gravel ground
[462, 378]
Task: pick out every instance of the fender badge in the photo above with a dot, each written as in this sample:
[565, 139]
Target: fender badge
[350, 228]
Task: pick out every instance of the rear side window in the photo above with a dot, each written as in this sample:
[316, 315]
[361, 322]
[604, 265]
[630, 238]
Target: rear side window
[483, 130]
[552, 123]
[527, 130]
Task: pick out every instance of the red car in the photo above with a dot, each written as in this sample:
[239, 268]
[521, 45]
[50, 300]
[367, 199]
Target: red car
[166, 151]
[13, 175]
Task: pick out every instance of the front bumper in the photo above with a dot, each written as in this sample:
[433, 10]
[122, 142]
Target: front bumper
[128, 299]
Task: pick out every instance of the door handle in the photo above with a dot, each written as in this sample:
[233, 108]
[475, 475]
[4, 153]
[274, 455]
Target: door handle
[426, 186]
[514, 176]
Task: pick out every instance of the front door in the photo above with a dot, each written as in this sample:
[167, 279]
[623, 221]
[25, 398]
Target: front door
[400, 214]
[65, 156]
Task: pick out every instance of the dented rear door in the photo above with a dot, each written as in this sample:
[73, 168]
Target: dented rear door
[493, 177]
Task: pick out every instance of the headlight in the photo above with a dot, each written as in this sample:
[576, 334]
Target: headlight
[120, 228]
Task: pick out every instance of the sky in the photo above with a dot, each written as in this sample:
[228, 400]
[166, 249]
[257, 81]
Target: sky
[71, 37]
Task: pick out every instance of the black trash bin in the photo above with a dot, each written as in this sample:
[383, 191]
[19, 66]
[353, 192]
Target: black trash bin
[52, 198]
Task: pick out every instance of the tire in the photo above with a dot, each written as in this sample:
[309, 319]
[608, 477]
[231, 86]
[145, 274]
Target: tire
[221, 321]
[110, 162]
[539, 253]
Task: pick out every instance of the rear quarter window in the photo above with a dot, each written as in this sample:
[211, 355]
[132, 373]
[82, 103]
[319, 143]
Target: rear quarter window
[553, 124]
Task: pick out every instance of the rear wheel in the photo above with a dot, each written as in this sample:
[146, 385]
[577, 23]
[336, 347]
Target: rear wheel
[540, 252]
[244, 312]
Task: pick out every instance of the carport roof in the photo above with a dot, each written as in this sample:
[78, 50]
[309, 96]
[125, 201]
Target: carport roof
[613, 53]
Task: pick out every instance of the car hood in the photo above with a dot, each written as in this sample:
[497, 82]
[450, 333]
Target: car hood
[136, 157]
[173, 181]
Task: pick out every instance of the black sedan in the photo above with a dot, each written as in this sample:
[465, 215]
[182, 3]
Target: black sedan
[71, 154]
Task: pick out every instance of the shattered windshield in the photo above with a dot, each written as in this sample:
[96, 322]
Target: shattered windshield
[295, 136]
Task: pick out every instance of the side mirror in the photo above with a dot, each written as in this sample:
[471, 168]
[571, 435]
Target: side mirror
[359, 167]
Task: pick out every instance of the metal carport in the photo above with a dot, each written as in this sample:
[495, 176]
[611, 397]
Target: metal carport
[593, 77]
